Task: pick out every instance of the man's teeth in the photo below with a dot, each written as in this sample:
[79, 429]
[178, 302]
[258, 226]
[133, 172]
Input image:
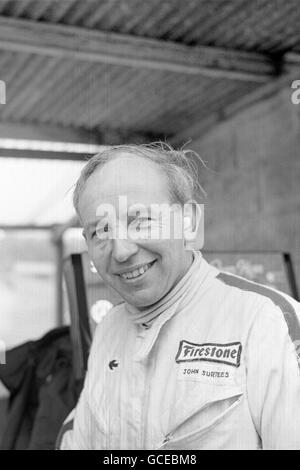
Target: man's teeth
[137, 272]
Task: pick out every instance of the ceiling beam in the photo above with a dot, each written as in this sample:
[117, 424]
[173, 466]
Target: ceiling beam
[204, 125]
[62, 41]
[50, 133]
[41, 154]
[59, 143]
[26, 227]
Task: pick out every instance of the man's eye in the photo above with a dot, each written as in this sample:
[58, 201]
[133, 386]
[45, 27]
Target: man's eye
[103, 232]
[142, 220]
[142, 223]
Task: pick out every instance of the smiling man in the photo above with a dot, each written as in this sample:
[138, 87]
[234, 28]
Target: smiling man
[193, 358]
[145, 269]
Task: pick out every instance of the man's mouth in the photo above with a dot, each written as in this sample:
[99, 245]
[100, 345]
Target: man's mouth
[137, 272]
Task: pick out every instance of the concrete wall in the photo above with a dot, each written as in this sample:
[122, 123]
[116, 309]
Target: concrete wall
[253, 180]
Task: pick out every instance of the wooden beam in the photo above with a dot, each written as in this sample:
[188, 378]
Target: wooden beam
[12, 228]
[204, 125]
[41, 154]
[62, 41]
[50, 133]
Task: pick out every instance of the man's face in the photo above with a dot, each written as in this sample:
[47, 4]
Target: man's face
[141, 270]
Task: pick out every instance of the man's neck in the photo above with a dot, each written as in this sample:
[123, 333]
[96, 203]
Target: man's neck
[189, 259]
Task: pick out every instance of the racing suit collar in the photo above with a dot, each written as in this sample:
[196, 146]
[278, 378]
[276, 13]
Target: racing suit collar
[178, 295]
[196, 279]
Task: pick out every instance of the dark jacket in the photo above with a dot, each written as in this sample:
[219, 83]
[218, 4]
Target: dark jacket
[39, 377]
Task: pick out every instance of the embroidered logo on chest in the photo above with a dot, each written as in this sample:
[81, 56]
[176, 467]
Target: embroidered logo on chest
[229, 353]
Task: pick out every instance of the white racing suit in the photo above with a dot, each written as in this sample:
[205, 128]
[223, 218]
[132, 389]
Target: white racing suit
[219, 372]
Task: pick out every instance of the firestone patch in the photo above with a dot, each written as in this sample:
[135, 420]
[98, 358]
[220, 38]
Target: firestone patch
[229, 353]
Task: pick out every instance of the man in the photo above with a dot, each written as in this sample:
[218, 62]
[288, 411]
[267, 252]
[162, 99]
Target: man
[193, 358]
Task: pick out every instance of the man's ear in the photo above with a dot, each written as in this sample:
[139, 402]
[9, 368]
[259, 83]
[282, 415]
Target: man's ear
[84, 235]
[191, 220]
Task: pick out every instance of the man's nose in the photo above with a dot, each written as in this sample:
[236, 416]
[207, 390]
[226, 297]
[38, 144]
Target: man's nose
[123, 249]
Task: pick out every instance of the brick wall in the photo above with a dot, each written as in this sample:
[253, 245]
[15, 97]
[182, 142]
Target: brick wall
[253, 179]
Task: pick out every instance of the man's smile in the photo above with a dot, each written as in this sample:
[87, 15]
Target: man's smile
[136, 272]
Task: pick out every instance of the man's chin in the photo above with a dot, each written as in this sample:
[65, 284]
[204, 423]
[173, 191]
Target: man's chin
[142, 301]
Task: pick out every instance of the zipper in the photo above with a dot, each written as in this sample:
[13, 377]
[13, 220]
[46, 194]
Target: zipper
[145, 413]
[170, 436]
[145, 402]
[167, 438]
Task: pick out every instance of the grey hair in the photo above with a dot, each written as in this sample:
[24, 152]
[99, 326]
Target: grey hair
[181, 168]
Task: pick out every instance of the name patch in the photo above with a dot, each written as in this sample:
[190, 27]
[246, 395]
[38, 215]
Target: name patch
[229, 353]
[208, 373]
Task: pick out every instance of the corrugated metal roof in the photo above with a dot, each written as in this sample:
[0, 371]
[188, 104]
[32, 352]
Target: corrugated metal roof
[260, 25]
[101, 96]
[97, 96]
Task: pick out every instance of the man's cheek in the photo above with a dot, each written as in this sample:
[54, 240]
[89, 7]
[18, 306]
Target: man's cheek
[162, 250]
[167, 246]
[98, 261]
[157, 247]
[97, 249]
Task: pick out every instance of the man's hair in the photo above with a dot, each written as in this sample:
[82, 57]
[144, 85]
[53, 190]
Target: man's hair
[181, 168]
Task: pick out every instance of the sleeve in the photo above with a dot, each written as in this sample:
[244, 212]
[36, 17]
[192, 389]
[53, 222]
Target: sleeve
[81, 430]
[273, 380]
[81, 427]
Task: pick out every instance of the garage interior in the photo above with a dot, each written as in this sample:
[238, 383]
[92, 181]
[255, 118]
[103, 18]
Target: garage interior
[214, 76]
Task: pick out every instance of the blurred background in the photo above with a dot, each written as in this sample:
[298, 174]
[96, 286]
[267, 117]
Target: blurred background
[76, 76]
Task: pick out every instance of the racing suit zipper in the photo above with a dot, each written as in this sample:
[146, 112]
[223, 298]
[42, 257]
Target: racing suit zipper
[170, 436]
[145, 404]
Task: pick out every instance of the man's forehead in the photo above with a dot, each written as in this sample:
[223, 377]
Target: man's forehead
[130, 175]
[139, 180]
[129, 168]
[132, 199]
[111, 192]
